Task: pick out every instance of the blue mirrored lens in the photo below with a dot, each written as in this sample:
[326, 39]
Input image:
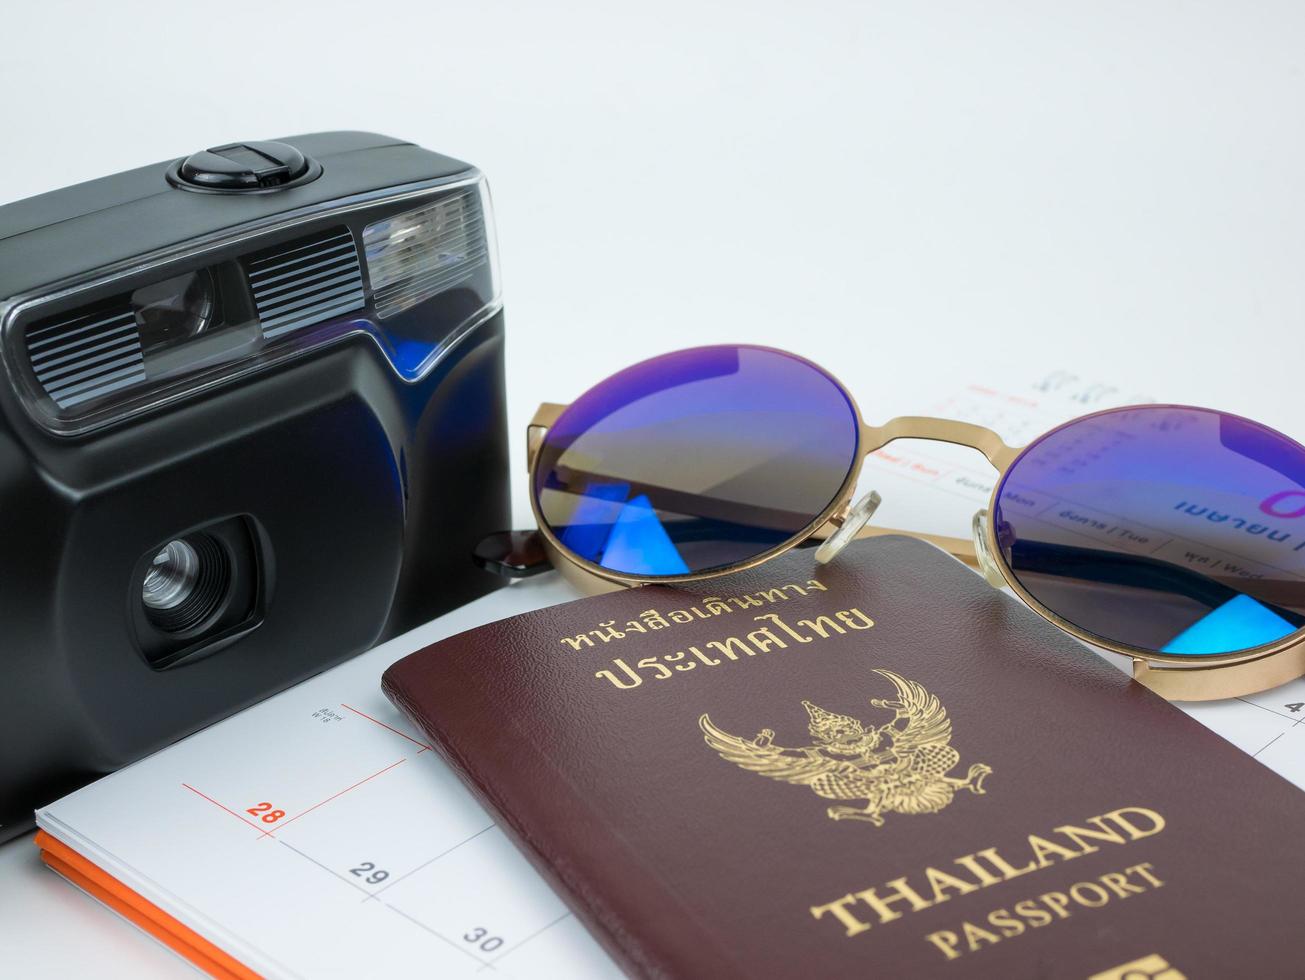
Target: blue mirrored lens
[696, 460]
[1174, 530]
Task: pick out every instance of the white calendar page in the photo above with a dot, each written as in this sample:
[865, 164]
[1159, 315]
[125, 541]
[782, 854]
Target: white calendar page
[316, 834]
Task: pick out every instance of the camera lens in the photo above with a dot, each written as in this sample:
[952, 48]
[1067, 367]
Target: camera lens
[171, 577]
[185, 583]
[175, 310]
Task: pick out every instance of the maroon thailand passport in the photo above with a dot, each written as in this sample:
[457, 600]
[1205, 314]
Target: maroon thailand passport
[879, 767]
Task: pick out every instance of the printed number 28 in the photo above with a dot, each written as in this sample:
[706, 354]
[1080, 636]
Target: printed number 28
[265, 812]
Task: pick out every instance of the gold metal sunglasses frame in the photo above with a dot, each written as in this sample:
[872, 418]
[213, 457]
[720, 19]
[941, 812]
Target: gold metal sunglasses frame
[1175, 677]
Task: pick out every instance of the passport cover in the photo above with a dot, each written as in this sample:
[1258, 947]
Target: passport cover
[877, 766]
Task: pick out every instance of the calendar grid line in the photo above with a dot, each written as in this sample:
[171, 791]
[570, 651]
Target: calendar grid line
[1271, 741]
[1272, 711]
[439, 935]
[542, 929]
[268, 833]
[374, 721]
[221, 806]
[426, 864]
[330, 871]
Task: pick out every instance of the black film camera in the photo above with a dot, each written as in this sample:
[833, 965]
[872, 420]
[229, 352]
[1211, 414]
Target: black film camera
[252, 422]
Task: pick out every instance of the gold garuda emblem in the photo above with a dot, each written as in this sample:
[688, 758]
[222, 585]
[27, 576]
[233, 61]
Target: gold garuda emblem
[895, 768]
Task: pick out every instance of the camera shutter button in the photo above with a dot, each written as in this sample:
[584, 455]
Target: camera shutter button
[245, 167]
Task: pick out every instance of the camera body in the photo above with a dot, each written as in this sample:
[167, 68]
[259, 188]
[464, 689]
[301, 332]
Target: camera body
[252, 422]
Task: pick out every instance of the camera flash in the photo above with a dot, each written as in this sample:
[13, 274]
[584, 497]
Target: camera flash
[419, 254]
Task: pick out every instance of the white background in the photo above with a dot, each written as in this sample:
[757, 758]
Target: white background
[897, 190]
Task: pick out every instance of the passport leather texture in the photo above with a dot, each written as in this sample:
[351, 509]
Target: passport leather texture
[747, 779]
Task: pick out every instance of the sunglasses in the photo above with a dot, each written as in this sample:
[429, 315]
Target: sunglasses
[1173, 535]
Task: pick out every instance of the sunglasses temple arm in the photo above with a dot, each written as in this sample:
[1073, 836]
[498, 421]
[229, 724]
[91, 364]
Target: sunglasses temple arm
[520, 554]
[1073, 562]
[512, 554]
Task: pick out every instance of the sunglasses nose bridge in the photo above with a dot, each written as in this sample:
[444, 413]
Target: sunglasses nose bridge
[977, 437]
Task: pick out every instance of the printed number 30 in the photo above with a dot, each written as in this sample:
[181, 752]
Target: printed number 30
[480, 936]
[265, 811]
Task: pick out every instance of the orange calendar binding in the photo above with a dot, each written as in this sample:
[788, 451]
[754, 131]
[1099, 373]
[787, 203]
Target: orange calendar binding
[145, 915]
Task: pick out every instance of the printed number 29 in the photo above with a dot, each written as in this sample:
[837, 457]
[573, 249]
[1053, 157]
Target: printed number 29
[368, 873]
[265, 812]
[480, 936]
